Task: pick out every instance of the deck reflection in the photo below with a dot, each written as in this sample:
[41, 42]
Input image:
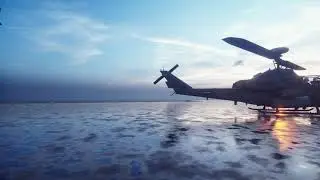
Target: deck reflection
[284, 131]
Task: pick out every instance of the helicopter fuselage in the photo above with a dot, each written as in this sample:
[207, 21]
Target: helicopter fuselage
[276, 80]
[283, 87]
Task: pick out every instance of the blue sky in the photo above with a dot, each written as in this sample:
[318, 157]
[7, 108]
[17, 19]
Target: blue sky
[127, 42]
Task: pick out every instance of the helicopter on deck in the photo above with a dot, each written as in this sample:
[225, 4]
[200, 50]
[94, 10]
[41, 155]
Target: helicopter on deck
[278, 88]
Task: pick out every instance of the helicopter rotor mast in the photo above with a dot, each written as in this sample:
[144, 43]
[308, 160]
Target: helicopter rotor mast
[274, 54]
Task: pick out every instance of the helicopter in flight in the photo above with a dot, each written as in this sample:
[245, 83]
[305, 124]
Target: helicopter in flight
[278, 88]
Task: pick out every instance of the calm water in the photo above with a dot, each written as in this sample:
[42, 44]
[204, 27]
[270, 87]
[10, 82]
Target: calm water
[166, 140]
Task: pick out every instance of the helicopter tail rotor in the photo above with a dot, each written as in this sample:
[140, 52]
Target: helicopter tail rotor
[162, 72]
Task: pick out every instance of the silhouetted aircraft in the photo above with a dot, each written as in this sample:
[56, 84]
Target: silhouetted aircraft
[278, 88]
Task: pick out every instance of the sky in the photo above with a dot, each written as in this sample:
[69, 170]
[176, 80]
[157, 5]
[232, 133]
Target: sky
[100, 45]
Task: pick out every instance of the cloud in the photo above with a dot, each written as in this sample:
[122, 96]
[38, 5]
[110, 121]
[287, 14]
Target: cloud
[238, 63]
[201, 65]
[72, 34]
[181, 43]
[191, 55]
[212, 66]
[299, 30]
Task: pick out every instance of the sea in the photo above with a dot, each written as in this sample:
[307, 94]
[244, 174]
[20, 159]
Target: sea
[155, 140]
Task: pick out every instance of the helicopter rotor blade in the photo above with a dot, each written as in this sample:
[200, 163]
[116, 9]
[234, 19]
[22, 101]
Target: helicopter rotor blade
[250, 46]
[157, 80]
[163, 72]
[290, 65]
[273, 54]
[174, 67]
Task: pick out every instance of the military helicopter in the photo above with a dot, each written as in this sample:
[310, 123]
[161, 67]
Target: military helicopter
[276, 89]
